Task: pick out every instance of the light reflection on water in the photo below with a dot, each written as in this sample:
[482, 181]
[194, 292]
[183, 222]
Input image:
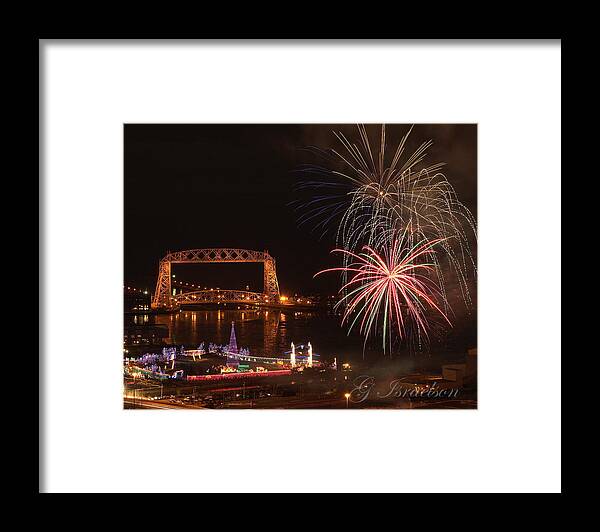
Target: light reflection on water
[264, 332]
[270, 332]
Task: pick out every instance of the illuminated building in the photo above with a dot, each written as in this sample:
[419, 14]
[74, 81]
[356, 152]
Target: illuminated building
[293, 355]
[146, 334]
[310, 358]
[135, 299]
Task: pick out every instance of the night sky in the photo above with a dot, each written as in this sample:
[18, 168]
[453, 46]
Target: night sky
[200, 186]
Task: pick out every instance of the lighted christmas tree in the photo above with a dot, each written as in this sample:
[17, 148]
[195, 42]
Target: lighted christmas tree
[233, 348]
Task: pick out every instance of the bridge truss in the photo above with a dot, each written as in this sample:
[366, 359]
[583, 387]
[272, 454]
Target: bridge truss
[220, 296]
[163, 297]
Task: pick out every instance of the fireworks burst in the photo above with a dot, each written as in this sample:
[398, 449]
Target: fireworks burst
[391, 291]
[367, 198]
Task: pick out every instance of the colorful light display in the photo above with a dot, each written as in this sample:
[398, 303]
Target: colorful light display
[229, 376]
[367, 199]
[390, 290]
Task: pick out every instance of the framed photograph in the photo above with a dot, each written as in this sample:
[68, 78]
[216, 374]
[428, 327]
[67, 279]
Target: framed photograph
[331, 253]
[323, 266]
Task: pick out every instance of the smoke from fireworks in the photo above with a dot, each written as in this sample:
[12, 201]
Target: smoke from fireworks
[368, 199]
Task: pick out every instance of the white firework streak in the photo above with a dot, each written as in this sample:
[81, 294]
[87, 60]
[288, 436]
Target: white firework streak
[368, 200]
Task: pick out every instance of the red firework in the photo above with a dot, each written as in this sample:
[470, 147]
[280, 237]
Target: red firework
[395, 288]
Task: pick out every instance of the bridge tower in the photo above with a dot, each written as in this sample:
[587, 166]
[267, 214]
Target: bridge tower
[270, 284]
[162, 294]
